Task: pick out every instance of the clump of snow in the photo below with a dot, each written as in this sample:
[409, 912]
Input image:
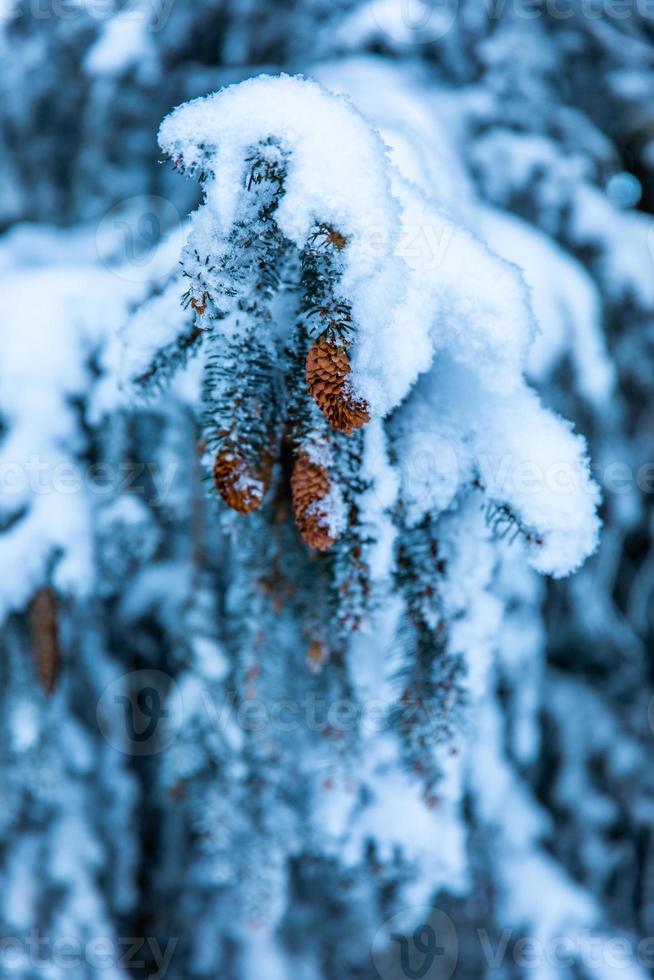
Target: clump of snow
[349, 190]
[565, 301]
[416, 121]
[522, 456]
[330, 512]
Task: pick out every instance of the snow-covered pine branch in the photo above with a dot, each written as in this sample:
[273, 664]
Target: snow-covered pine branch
[299, 254]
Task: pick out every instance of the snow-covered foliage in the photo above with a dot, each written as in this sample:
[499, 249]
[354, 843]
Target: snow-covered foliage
[410, 264]
[459, 317]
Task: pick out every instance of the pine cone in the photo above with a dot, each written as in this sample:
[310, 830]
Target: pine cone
[317, 655]
[327, 370]
[45, 637]
[239, 487]
[310, 483]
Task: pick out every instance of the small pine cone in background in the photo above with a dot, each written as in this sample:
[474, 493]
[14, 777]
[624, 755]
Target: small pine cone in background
[328, 368]
[239, 487]
[317, 655]
[44, 634]
[310, 484]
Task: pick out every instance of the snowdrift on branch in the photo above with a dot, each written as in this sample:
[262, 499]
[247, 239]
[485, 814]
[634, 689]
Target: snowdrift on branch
[427, 300]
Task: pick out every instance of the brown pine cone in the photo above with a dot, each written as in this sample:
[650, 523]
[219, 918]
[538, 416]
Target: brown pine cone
[317, 655]
[239, 487]
[45, 637]
[327, 370]
[310, 483]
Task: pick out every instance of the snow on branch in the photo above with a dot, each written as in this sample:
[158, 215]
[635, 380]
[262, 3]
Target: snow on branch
[532, 468]
[337, 164]
[309, 235]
